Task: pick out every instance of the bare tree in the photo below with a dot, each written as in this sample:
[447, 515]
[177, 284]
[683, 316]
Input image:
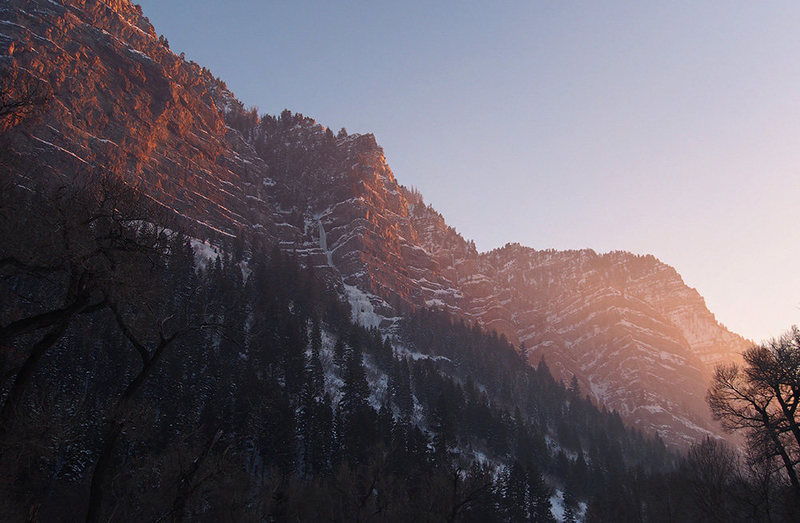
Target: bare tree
[467, 489]
[118, 418]
[712, 469]
[65, 252]
[21, 96]
[150, 337]
[762, 398]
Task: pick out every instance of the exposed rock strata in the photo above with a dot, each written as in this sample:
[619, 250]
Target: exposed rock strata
[639, 340]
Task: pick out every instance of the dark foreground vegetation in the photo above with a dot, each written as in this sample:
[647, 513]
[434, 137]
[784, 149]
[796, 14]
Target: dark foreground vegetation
[140, 384]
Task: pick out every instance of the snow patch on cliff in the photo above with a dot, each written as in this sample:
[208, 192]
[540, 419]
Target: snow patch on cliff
[362, 309]
[323, 244]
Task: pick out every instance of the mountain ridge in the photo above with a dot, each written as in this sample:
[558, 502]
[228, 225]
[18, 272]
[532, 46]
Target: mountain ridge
[636, 337]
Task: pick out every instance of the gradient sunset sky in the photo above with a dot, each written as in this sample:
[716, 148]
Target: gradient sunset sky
[669, 128]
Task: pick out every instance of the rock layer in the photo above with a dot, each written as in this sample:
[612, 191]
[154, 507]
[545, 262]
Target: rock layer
[636, 337]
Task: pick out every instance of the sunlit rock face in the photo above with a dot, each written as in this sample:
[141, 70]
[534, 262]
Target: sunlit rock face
[638, 339]
[609, 320]
[123, 102]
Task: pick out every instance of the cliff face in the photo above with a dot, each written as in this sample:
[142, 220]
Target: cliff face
[609, 320]
[639, 340]
[125, 103]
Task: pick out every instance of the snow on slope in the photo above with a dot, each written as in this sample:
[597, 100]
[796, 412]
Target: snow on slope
[627, 326]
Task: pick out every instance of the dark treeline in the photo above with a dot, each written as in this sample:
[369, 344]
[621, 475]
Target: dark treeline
[142, 384]
[299, 152]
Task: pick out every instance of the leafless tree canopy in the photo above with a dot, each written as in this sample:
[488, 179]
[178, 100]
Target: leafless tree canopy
[761, 398]
[21, 96]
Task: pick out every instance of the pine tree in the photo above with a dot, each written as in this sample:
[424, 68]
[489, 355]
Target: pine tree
[515, 494]
[316, 335]
[385, 423]
[315, 375]
[275, 426]
[540, 493]
[314, 419]
[570, 507]
[443, 426]
[294, 346]
[317, 430]
[357, 420]
[400, 387]
[356, 390]
[339, 353]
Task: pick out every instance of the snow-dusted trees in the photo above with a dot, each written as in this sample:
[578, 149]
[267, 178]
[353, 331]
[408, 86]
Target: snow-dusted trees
[265, 416]
[357, 420]
[524, 496]
[400, 389]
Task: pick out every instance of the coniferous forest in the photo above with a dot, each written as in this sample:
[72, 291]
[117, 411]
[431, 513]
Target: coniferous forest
[145, 382]
[179, 340]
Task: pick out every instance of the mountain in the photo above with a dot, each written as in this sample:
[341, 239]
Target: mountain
[636, 337]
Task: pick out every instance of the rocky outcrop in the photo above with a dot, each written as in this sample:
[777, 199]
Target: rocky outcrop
[605, 319]
[638, 339]
[125, 104]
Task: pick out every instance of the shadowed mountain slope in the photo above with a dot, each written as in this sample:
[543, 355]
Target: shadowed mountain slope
[636, 337]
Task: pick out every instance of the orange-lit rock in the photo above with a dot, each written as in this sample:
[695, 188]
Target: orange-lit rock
[639, 340]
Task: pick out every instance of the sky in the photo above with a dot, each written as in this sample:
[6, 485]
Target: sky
[668, 128]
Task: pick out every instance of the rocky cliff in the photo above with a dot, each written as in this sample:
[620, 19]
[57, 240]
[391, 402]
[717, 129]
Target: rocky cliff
[638, 339]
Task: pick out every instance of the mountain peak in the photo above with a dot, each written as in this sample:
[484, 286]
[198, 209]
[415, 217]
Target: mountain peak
[638, 339]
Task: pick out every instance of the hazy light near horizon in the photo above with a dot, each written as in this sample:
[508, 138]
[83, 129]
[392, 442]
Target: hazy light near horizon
[662, 128]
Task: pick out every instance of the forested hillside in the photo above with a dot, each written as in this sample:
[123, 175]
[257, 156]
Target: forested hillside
[211, 314]
[123, 103]
[167, 378]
